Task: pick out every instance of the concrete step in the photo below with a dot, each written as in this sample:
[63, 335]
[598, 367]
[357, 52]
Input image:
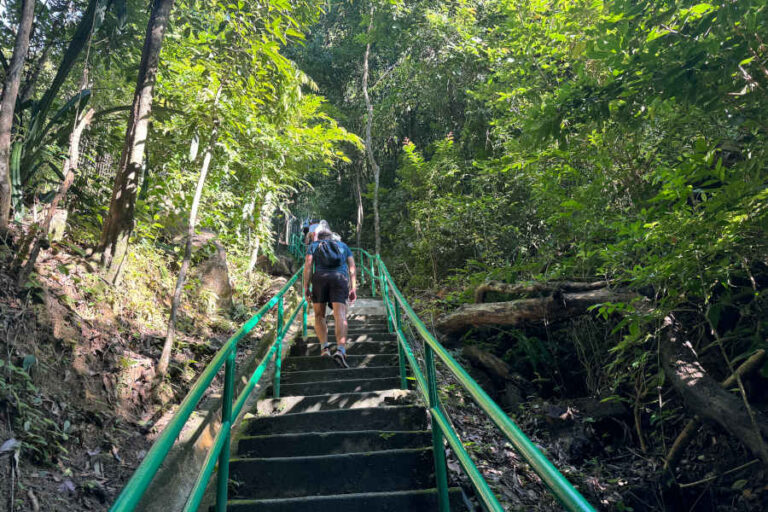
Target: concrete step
[355, 336]
[305, 363]
[339, 374]
[330, 443]
[287, 477]
[399, 501]
[376, 332]
[354, 319]
[298, 404]
[353, 348]
[394, 418]
[339, 386]
[330, 320]
[360, 318]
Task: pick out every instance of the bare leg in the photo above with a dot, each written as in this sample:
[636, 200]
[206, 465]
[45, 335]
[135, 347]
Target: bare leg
[321, 328]
[340, 316]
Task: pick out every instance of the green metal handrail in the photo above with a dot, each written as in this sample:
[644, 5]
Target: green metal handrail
[137, 486]
[296, 246]
[570, 498]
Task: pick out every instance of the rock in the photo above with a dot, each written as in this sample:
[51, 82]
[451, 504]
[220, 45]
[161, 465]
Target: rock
[58, 225]
[132, 369]
[512, 396]
[577, 443]
[497, 369]
[597, 410]
[214, 278]
[484, 380]
[283, 265]
[274, 287]
[200, 239]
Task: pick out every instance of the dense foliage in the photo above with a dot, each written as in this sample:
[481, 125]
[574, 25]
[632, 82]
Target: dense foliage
[544, 140]
[519, 140]
[530, 140]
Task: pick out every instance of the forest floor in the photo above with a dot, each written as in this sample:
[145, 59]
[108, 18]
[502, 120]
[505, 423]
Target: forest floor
[78, 395]
[77, 391]
[593, 442]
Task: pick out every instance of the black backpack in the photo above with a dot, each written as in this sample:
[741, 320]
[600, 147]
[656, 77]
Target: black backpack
[328, 254]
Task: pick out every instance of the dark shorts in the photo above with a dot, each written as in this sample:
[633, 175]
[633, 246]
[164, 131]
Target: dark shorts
[330, 286]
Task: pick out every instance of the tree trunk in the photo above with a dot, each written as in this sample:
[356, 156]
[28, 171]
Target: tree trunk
[265, 214]
[369, 141]
[75, 47]
[704, 396]
[254, 257]
[8, 107]
[26, 92]
[359, 199]
[69, 171]
[118, 225]
[558, 306]
[165, 357]
[287, 228]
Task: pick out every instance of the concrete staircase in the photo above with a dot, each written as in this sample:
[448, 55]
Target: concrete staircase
[338, 440]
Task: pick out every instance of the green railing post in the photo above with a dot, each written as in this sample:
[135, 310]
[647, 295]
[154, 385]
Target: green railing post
[373, 280]
[279, 352]
[362, 269]
[441, 475]
[400, 352]
[226, 423]
[385, 295]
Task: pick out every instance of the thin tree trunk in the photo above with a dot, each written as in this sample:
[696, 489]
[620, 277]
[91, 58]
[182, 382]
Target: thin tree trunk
[287, 228]
[118, 225]
[165, 357]
[368, 139]
[31, 82]
[8, 107]
[75, 47]
[359, 199]
[69, 171]
[254, 257]
[265, 214]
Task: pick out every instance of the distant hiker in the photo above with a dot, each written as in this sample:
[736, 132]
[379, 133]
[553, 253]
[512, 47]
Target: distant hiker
[311, 228]
[333, 281]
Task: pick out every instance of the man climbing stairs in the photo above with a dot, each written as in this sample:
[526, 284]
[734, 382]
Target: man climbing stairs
[340, 440]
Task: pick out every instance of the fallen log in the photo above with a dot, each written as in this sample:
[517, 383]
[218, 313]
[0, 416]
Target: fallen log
[535, 288]
[703, 395]
[686, 435]
[555, 307]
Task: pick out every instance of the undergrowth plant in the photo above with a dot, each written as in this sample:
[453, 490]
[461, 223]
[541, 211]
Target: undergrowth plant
[22, 405]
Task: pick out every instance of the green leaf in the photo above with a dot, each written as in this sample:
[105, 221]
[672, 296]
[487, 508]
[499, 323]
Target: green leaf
[28, 361]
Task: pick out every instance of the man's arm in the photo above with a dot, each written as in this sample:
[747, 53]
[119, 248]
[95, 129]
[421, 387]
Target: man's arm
[352, 278]
[307, 276]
